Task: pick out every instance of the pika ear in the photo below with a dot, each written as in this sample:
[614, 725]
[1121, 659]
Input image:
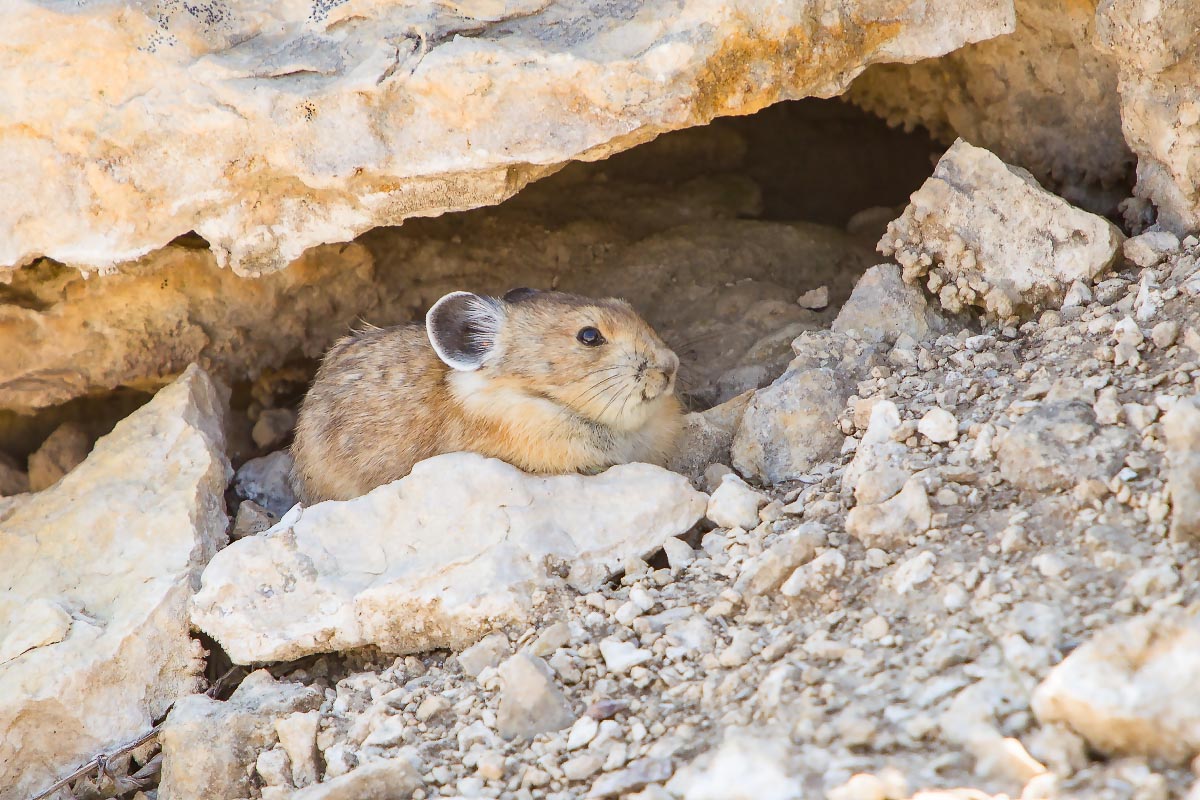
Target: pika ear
[517, 295]
[462, 327]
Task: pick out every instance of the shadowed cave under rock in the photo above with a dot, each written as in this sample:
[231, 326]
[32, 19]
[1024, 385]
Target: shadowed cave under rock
[711, 232]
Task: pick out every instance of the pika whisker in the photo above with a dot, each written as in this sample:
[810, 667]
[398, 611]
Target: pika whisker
[595, 390]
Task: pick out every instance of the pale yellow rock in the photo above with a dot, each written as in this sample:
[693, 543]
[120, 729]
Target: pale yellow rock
[1182, 428]
[110, 555]
[42, 622]
[889, 524]
[387, 779]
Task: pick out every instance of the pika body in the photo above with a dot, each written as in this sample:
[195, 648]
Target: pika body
[550, 382]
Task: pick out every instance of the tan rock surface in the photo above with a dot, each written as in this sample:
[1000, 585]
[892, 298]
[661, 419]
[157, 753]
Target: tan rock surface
[1124, 689]
[62, 451]
[988, 235]
[1154, 47]
[244, 725]
[72, 337]
[270, 128]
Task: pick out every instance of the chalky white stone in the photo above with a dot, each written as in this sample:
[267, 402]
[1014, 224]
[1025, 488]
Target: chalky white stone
[440, 558]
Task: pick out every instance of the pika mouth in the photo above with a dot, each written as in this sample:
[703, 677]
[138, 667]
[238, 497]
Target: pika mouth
[659, 381]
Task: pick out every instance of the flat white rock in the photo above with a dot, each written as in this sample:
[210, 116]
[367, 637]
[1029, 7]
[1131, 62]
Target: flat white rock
[436, 559]
[98, 571]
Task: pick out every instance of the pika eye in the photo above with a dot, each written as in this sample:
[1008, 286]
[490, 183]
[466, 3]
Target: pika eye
[590, 336]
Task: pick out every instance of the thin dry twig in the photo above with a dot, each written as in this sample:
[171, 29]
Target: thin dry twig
[97, 762]
[100, 761]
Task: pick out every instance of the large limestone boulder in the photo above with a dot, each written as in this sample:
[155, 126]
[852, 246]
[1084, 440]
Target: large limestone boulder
[462, 545]
[97, 573]
[269, 128]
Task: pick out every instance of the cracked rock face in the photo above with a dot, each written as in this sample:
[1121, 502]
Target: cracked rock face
[271, 128]
[436, 559]
[98, 571]
[73, 336]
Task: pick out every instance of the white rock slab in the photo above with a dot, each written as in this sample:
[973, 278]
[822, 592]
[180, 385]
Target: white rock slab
[97, 572]
[988, 235]
[270, 127]
[436, 559]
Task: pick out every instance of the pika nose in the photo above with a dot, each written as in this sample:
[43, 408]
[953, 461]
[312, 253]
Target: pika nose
[657, 377]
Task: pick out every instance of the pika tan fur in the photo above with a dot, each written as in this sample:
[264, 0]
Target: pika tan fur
[549, 382]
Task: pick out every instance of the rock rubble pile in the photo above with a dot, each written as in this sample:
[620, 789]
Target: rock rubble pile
[947, 540]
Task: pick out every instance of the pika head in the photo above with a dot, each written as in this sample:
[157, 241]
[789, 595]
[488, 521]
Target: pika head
[595, 358]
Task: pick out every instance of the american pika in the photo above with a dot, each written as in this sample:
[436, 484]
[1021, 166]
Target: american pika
[549, 382]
